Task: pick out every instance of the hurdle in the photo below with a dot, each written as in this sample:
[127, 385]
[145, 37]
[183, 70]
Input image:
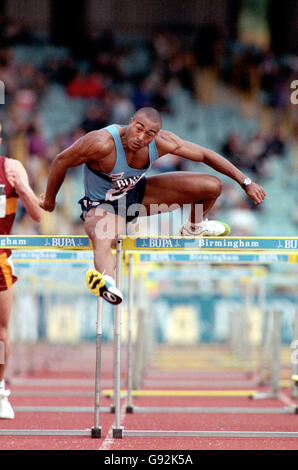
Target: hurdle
[272, 344]
[236, 276]
[77, 256]
[245, 273]
[257, 250]
[50, 243]
[228, 250]
[294, 382]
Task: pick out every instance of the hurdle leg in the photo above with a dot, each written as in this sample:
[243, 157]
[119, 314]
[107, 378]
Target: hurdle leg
[129, 407]
[276, 354]
[237, 327]
[147, 335]
[275, 339]
[139, 350]
[294, 388]
[96, 430]
[242, 343]
[117, 429]
[150, 325]
[246, 336]
[261, 359]
[116, 314]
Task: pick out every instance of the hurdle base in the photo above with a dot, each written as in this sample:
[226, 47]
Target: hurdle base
[118, 432]
[44, 432]
[129, 409]
[262, 396]
[216, 434]
[96, 432]
[112, 409]
[216, 410]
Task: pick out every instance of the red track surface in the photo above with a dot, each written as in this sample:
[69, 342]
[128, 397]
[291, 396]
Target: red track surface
[65, 374]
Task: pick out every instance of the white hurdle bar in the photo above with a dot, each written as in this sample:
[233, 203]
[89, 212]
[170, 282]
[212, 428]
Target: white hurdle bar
[161, 249]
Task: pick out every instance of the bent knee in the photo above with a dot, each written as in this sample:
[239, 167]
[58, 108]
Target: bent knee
[214, 185]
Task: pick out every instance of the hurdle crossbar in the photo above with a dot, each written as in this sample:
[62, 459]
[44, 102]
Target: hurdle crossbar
[218, 244]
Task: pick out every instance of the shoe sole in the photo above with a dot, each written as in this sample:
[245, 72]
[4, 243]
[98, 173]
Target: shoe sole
[110, 297]
[227, 229]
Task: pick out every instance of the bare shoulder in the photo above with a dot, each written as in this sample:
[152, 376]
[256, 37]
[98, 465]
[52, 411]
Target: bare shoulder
[90, 147]
[15, 165]
[167, 136]
[15, 172]
[167, 142]
[99, 141]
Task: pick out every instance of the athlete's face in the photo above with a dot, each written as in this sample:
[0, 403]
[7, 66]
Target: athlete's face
[141, 131]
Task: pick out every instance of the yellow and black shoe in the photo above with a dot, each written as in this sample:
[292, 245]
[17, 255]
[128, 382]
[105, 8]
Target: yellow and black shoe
[103, 286]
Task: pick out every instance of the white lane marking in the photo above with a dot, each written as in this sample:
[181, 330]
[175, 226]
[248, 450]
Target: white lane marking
[109, 440]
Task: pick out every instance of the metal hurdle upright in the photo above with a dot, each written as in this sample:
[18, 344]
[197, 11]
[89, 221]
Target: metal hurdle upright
[166, 245]
[294, 384]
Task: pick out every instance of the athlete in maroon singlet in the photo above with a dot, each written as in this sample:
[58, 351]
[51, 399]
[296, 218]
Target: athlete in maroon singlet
[13, 185]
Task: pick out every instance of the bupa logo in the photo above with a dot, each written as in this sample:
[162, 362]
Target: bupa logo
[160, 243]
[291, 244]
[63, 242]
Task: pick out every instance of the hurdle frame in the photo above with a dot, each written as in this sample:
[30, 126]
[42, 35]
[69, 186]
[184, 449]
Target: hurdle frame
[283, 253]
[131, 408]
[120, 431]
[19, 242]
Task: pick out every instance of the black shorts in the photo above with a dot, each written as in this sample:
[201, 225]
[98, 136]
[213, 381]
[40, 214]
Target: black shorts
[121, 206]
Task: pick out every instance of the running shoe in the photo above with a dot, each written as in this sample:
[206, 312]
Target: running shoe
[6, 411]
[207, 228]
[103, 286]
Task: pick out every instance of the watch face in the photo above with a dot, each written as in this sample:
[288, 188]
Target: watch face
[247, 181]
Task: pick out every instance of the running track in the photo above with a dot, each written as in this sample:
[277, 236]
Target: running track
[64, 377]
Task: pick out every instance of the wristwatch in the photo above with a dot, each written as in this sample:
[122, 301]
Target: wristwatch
[246, 182]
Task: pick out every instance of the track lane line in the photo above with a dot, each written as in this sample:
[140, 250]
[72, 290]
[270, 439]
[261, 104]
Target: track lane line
[109, 440]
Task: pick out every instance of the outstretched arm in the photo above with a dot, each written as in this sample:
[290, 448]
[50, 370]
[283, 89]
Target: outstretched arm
[85, 149]
[170, 143]
[18, 179]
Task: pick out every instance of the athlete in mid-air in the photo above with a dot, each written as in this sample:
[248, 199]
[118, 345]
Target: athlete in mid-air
[115, 161]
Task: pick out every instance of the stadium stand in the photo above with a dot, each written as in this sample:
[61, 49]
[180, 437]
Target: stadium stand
[52, 98]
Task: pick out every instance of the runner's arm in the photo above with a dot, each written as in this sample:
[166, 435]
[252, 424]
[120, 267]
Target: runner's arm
[18, 179]
[170, 143]
[89, 147]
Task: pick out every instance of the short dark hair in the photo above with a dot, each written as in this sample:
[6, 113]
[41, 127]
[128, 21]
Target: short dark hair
[150, 113]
